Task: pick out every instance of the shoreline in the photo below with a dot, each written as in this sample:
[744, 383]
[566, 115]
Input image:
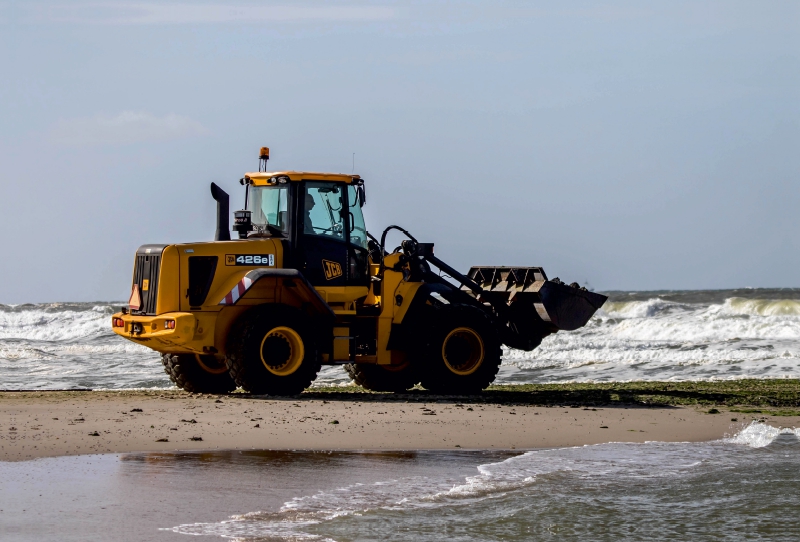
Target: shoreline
[36, 424]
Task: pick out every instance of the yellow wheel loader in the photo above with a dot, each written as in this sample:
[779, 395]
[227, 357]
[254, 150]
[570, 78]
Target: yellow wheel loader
[306, 285]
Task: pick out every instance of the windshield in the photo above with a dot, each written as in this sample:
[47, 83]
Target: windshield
[268, 204]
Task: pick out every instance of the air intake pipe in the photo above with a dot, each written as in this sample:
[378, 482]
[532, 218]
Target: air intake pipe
[223, 232]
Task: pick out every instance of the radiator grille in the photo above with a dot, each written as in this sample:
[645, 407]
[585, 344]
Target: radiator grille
[147, 268]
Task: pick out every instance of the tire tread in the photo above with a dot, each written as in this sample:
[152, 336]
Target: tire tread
[248, 374]
[184, 372]
[434, 374]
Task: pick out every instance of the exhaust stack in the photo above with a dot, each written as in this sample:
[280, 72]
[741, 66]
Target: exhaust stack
[223, 232]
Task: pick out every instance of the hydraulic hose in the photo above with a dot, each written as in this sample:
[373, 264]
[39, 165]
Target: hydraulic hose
[383, 244]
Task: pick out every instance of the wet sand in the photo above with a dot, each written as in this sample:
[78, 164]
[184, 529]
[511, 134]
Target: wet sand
[50, 424]
[142, 497]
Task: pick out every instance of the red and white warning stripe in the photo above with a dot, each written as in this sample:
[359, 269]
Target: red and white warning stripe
[237, 291]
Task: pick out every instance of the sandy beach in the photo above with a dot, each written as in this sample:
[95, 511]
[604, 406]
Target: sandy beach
[48, 424]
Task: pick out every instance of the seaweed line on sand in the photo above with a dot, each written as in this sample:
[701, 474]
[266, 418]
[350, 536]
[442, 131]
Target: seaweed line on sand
[775, 396]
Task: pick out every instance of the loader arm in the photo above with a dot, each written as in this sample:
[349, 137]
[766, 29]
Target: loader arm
[525, 305]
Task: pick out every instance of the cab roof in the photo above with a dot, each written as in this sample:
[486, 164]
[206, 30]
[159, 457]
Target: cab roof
[261, 178]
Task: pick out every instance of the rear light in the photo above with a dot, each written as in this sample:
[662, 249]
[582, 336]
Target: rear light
[118, 322]
[169, 324]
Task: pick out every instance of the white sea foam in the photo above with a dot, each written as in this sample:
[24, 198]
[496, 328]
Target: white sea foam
[735, 319]
[54, 326]
[12, 352]
[20, 352]
[655, 307]
[759, 434]
[665, 340]
[71, 345]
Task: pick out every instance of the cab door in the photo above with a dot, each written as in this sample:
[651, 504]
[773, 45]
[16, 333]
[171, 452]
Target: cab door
[358, 251]
[323, 233]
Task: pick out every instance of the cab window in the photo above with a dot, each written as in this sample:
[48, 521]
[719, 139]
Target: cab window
[322, 210]
[268, 205]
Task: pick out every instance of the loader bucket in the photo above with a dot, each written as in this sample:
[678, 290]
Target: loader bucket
[568, 308]
[536, 306]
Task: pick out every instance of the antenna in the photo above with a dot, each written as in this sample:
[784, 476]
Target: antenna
[354, 163]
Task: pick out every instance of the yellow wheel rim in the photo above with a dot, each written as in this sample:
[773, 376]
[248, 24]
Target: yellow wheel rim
[463, 351]
[282, 351]
[211, 364]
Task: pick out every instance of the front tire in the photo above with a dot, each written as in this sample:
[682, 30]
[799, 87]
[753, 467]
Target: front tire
[461, 353]
[271, 351]
[198, 374]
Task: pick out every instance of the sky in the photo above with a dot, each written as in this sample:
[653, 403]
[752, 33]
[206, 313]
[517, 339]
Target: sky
[630, 145]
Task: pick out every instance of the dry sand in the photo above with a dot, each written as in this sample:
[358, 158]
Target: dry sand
[46, 424]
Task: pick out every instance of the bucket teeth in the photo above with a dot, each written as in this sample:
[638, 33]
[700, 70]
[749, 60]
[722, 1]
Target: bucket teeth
[510, 283]
[507, 279]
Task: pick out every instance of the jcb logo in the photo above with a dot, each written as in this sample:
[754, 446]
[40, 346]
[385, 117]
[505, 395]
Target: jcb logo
[230, 259]
[332, 269]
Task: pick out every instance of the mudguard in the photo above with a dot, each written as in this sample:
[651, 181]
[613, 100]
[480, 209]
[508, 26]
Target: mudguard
[286, 286]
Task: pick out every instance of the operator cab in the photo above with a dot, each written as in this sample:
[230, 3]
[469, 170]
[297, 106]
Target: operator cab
[318, 218]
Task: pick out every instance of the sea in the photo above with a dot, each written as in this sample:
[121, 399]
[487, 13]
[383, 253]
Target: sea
[745, 486]
[654, 335]
[742, 487]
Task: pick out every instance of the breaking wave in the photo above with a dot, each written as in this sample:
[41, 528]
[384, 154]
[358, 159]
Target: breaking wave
[635, 336]
[759, 435]
[659, 338]
[71, 345]
[54, 322]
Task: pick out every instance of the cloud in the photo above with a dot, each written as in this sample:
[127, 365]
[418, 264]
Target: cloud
[162, 13]
[125, 128]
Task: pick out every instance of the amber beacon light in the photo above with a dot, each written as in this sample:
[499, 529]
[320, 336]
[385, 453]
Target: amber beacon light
[263, 157]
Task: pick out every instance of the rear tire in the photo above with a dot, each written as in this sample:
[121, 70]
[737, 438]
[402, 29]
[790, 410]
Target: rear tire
[382, 378]
[461, 353]
[271, 351]
[198, 374]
